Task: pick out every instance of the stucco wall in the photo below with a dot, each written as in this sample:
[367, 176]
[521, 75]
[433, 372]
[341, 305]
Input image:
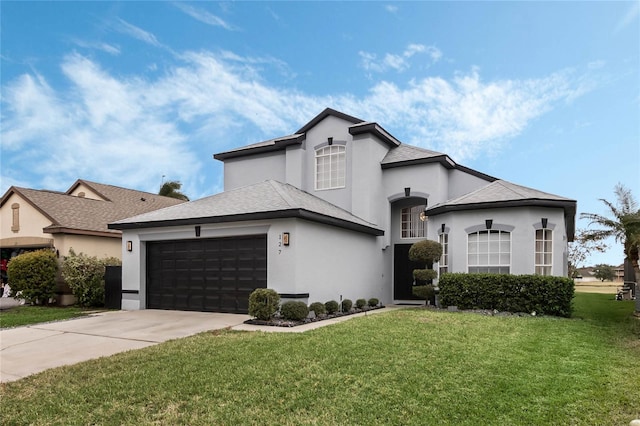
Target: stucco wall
[31, 220]
[523, 221]
[324, 261]
[100, 247]
[253, 169]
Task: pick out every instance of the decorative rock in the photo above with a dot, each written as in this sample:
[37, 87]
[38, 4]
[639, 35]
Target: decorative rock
[635, 422]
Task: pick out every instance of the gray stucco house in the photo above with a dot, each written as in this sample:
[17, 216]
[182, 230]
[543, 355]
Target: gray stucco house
[330, 212]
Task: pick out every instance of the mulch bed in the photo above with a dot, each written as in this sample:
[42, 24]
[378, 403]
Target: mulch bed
[281, 322]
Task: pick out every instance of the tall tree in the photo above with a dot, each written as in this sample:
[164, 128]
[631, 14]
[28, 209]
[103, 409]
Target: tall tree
[172, 189]
[623, 224]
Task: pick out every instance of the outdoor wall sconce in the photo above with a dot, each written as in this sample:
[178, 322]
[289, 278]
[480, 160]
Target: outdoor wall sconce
[330, 141]
[488, 223]
[423, 214]
[285, 238]
[442, 228]
[197, 230]
[545, 221]
[129, 245]
[407, 192]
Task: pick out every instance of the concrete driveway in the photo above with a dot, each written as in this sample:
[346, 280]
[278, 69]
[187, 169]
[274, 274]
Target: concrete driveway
[32, 349]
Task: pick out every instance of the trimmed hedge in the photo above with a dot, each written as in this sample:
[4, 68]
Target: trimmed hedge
[361, 303]
[508, 293]
[347, 304]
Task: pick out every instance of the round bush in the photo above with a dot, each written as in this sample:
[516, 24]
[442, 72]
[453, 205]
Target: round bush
[34, 275]
[332, 306]
[361, 303]
[425, 292]
[294, 310]
[373, 302]
[263, 303]
[425, 251]
[425, 274]
[318, 308]
[347, 304]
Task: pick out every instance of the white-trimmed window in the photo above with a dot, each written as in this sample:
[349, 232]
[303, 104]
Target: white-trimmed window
[544, 251]
[412, 226]
[443, 239]
[489, 252]
[331, 167]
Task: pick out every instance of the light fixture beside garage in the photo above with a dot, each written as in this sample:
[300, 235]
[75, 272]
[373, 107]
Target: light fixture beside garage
[129, 245]
[197, 230]
[285, 238]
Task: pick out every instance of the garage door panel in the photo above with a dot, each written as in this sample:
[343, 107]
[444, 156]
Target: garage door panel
[216, 275]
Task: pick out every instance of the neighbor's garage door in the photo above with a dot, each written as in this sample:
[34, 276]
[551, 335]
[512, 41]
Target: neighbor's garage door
[213, 275]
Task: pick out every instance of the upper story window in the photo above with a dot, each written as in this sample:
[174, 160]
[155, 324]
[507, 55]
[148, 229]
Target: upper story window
[489, 252]
[331, 167]
[544, 251]
[444, 259]
[412, 225]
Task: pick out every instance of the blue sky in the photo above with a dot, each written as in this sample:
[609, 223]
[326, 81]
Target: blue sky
[542, 94]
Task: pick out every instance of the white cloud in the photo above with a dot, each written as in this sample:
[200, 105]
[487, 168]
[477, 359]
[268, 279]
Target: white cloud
[130, 131]
[632, 14]
[137, 33]
[391, 8]
[398, 62]
[105, 47]
[203, 16]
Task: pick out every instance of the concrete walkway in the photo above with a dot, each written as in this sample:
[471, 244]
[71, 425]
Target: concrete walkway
[31, 349]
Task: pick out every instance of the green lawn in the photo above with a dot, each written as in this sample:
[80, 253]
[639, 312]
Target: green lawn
[27, 315]
[405, 367]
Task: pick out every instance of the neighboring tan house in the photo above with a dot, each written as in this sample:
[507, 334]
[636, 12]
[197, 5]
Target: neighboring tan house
[329, 213]
[33, 219]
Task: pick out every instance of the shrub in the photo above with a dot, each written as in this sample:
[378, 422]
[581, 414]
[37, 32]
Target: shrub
[332, 306]
[294, 310]
[361, 303]
[425, 292]
[85, 277]
[373, 302]
[263, 303]
[318, 308]
[424, 274]
[347, 304]
[34, 275]
[425, 251]
[509, 293]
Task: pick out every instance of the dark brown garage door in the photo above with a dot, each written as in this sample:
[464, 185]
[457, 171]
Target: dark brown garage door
[212, 275]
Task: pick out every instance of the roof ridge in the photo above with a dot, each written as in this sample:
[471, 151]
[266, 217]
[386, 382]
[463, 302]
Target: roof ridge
[287, 199]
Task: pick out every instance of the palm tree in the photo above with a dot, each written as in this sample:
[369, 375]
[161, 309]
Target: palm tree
[624, 226]
[172, 189]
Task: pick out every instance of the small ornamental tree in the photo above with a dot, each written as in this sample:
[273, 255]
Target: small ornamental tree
[427, 252]
[33, 274]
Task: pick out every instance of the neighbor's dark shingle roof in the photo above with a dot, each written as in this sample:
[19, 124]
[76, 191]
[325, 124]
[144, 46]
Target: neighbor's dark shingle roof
[73, 214]
[265, 200]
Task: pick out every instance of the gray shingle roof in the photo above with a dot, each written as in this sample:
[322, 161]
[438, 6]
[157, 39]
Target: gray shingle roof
[74, 214]
[406, 152]
[264, 200]
[500, 191]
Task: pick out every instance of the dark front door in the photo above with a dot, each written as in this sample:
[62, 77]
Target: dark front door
[209, 274]
[403, 272]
